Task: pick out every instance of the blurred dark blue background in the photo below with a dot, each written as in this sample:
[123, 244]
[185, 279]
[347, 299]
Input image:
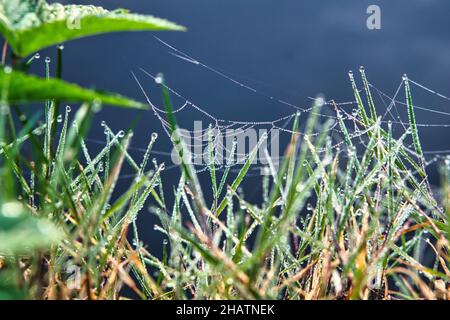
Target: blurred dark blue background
[290, 48]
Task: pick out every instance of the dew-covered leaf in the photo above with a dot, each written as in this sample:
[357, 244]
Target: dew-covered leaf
[30, 25]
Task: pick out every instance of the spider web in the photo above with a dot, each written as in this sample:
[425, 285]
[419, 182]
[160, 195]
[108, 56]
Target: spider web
[391, 107]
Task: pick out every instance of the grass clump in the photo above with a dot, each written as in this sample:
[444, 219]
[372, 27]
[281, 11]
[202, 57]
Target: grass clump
[342, 223]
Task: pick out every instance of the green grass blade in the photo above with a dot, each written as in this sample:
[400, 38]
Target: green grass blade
[412, 118]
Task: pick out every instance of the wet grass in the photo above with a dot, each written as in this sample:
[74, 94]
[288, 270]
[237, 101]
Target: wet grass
[334, 223]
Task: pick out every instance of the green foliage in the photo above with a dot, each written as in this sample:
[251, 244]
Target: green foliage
[30, 25]
[57, 212]
[67, 213]
[23, 88]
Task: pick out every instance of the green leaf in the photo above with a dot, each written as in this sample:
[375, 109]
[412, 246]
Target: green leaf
[30, 25]
[21, 87]
[20, 232]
